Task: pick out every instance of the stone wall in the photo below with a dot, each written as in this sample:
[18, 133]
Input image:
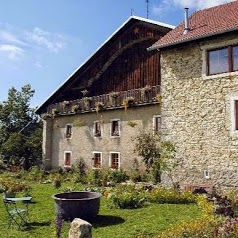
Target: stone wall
[196, 115]
[83, 143]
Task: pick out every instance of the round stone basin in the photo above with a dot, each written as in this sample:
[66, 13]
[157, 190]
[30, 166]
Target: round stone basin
[80, 204]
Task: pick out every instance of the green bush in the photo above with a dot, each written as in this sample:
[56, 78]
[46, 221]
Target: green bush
[94, 177]
[126, 197]
[162, 195]
[117, 176]
[202, 227]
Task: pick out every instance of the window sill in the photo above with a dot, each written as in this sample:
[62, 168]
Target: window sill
[95, 168]
[113, 137]
[234, 132]
[222, 75]
[97, 136]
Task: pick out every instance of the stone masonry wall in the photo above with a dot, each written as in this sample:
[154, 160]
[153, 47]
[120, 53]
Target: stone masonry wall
[196, 115]
[83, 143]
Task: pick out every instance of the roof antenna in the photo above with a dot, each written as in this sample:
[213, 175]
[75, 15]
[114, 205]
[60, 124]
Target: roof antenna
[147, 11]
[132, 11]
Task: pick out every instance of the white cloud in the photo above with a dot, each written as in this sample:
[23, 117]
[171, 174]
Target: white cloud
[200, 4]
[6, 36]
[165, 5]
[52, 42]
[38, 65]
[11, 51]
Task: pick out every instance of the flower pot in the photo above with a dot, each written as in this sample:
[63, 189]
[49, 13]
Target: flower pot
[9, 195]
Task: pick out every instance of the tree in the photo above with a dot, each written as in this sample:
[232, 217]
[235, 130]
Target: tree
[155, 153]
[20, 127]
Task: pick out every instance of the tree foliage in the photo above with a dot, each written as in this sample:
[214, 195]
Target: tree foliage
[20, 127]
[157, 155]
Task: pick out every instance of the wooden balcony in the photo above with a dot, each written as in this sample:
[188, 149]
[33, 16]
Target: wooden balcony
[114, 100]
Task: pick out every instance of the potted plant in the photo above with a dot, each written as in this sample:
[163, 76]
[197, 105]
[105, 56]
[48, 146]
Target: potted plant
[144, 91]
[87, 101]
[99, 106]
[10, 187]
[128, 101]
[75, 108]
[113, 98]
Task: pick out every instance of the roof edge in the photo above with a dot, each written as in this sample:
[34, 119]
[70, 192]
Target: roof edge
[191, 39]
[38, 110]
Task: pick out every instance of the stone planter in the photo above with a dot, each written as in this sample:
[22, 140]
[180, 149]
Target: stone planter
[80, 204]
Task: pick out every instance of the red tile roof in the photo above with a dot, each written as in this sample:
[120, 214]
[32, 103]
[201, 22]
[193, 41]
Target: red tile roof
[203, 23]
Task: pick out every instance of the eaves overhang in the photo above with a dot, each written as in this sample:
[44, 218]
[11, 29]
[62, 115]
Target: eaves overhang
[172, 44]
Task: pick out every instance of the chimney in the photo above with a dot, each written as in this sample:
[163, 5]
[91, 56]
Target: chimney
[186, 22]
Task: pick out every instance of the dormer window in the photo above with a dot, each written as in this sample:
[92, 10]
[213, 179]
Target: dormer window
[222, 60]
[68, 131]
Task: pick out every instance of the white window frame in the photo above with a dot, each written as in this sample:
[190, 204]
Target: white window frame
[119, 128]
[94, 128]
[154, 123]
[93, 164]
[66, 129]
[110, 159]
[67, 152]
[233, 99]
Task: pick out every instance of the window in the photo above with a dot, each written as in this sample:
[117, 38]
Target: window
[97, 159]
[235, 58]
[234, 114]
[114, 160]
[68, 132]
[67, 158]
[156, 123]
[115, 128]
[97, 129]
[222, 60]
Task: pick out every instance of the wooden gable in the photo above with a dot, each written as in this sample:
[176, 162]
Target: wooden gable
[122, 63]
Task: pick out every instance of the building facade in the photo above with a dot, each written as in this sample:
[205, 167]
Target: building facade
[107, 101]
[200, 91]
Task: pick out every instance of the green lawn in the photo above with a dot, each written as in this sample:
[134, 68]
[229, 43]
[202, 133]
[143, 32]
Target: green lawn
[110, 223]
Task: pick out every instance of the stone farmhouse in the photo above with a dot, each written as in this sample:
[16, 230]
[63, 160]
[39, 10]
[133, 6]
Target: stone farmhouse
[97, 111]
[199, 87]
[117, 92]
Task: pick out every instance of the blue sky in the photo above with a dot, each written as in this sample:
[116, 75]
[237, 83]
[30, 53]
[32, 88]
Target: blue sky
[43, 42]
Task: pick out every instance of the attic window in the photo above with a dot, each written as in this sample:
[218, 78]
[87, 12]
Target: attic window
[222, 60]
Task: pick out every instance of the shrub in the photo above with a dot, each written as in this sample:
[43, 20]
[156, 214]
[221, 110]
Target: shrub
[233, 196]
[94, 177]
[162, 195]
[202, 227]
[126, 197]
[229, 228]
[117, 176]
[10, 186]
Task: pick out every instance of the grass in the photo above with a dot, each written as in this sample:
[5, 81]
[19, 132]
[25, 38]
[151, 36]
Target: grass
[127, 223]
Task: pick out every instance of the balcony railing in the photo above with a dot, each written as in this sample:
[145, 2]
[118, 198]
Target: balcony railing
[130, 98]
